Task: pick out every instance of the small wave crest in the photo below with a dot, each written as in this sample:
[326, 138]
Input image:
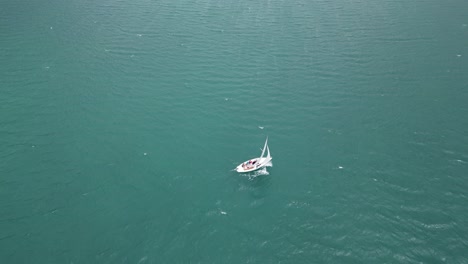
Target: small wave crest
[257, 173]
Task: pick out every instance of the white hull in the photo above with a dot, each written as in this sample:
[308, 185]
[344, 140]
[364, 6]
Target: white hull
[259, 163]
[256, 163]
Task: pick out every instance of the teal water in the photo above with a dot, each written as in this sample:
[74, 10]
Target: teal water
[120, 123]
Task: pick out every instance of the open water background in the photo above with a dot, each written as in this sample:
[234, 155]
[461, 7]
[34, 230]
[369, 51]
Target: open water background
[120, 122]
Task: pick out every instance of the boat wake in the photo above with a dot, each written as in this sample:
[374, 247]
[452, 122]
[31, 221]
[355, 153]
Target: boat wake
[262, 171]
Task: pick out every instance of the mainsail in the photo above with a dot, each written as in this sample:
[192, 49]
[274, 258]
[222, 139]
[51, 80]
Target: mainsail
[265, 147]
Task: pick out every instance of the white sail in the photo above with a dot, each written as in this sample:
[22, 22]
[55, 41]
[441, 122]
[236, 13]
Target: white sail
[264, 147]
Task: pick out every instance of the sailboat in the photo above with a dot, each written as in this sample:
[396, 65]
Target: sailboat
[256, 163]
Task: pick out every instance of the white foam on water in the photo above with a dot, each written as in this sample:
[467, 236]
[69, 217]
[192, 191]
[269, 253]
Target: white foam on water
[261, 127]
[252, 175]
[261, 172]
[143, 259]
